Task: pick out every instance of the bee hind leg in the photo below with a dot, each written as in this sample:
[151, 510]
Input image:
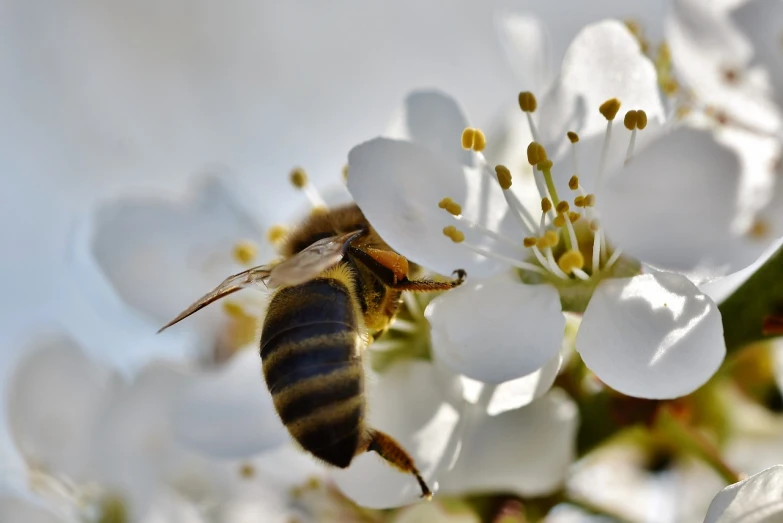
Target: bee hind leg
[391, 451]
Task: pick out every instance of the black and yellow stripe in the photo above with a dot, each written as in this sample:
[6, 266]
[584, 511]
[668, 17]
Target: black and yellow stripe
[311, 352]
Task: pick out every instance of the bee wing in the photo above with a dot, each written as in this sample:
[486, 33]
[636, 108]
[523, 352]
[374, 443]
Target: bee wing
[229, 286]
[312, 261]
[303, 266]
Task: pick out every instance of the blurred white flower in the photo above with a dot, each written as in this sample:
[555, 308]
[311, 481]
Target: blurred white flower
[111, 445]
[757, 499]
[652, 335]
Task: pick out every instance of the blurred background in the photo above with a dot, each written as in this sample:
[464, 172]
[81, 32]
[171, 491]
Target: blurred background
[102, 100]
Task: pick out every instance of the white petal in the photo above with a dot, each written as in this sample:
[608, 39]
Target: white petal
[762, 24]
[525, 451]
[435, 512]
[513, 394]
[229, 412]
[705, 44]
[756, 499]
[604, 61]
[13, 509]
[398, 186]
[169, 507]
[406, 402]
[161, 255]
[536, 34]
[55, 397]
[497, 329]
[673, 206]
[434, 120]
[651, 336]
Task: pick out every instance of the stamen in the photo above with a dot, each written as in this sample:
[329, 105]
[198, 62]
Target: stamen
[345, 172]
[574, 216]
[536, 153]
[455, 210]
[634, 120]
[299, 180]
[571, 260]
[590, 200]
[552, 238]
[457, 237]
[403, 326]
[528, 104]
[244, 252]
[574, 138]
[573, 183]
[596, 247]
[504, 176]
[609, 110]
[521, 213]
[530, 241]
[550, 258]
[579, 201]
[412, 303]
[582, 275]
[276, 234]
[613, 258]
[468, 137]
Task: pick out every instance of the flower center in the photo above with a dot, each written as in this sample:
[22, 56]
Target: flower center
[566, 245]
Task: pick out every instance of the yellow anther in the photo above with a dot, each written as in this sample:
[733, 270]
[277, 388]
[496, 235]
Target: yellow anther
[594, 225]
[536, 153]
[233, 309]
[455, 234]
[559, 221]
[630, 120]
[552, 238]
[445, 202]
[479, 140]
[571, 260]
[545, 165]
[574, 216]
[529, 241]
[573, 183]
[454, 208]
[345, 172]
[573, 136]
[542, 243]
[527, 101]
[247, 471]
[759, 229]
[276, 234]
[579, 201]
[641, 119]
[590, 200]
[562, 207]
[504, 176]
[468, 137]
[610, 108]
[298, 177]
[244, 252]
[546, 205]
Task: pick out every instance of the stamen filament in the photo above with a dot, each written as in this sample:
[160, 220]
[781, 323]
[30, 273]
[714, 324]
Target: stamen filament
[403, 325]
[596, 253]
[553, 264]
[604, 250]
[489, 232]
[550, 184]
[511, 261]
[582, 275]
[631, 145]
[533, 128]
[604, 153]
[613, 258]
[571, 234]
[315, 198]
[522, 214]
[412, 303]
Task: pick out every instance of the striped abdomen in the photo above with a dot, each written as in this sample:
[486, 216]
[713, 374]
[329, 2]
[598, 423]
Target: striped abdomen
[310, 349]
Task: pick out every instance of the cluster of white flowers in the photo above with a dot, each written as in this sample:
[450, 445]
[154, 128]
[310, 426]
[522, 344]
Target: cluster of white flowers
[635, 184]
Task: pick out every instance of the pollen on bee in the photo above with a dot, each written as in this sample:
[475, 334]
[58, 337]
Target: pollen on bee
[536, 153]
[455, 234]
[504, 176]
[527, 102]
[276, 233]
[610, 108]
[571, 260]
[244, 252]
[468, 137]
[573, 183]
[233, 309]
[572, 136]
[298, 177]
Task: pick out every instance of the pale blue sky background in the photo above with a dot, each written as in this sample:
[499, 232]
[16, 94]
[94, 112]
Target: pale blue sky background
[104, 99]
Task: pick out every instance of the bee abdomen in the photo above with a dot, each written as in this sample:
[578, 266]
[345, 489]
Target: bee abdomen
[310, 352]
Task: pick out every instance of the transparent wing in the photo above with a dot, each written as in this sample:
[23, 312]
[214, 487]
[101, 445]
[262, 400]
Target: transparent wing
[230, 285]
[312, 261]
[303, 266]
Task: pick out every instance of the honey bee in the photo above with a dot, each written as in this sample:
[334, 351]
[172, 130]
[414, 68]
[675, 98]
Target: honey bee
[337, 289]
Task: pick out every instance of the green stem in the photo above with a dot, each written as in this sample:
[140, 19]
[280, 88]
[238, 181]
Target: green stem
[550, 185]
[687, 438]
[760, 296]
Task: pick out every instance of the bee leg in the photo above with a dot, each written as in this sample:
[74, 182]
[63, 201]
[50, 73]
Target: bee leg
[430, 285]
[391, 276]
[391, 451]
